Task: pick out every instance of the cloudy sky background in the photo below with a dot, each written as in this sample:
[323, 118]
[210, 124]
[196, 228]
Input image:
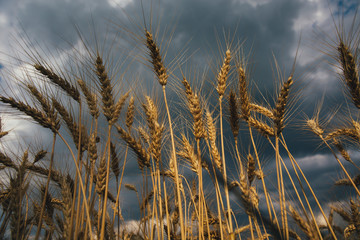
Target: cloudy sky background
[269, 27]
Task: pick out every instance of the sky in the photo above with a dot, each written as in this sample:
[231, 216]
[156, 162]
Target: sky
[268, 29]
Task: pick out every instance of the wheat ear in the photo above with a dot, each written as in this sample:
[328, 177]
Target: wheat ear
[156, 59]
[223, 74]
[90, 99]
[106, 89]
[244, 96]
[234, 116]
[35, 114]
[280, 107]
[212, 139]
[61, 82]
[195, 109]
[143, 156]
[350, 71]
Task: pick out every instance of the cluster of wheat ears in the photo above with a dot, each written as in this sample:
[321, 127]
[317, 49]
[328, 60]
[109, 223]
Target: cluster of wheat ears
[174, 158]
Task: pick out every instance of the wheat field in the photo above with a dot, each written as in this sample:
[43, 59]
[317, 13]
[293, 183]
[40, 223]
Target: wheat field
[198, 147]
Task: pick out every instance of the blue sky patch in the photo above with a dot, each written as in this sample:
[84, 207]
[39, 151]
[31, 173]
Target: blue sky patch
[346, 6]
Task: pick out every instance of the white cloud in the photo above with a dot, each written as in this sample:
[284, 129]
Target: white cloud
[119, 3]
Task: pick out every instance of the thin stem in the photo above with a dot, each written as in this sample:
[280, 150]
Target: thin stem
[226, 188]
[312, 192]
[296, 191]
[81, 184]
[268, 200]
[102, 235]
[175, 167]
[341, 165]
[46, 188]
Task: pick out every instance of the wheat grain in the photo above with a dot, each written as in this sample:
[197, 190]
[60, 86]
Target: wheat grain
[115, 161]
[106, 89]
[350, 71]
[187, 152]
[143, 156]
[280, 108]
[212, 139]
[101, 176]
[196, 111]
[35, 114]
[156, 59]
[90, 99]
[234, 116]
[61, 82]
[251, 168]
[244, 97]
[130, 113]
[223, 74]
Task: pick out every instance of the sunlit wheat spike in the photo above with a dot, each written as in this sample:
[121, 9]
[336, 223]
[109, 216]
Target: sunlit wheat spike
[195, 110]
[234, 116]
[90, 99]
[155, 59]
[343, 132]
[101, 176]
[187, 152]
[223, 74]
[244, 96]
[315, 127]
[262, 127]
[251, 168]
[262, 110]
[280, 107]
[35, 114]
[92, 149]
[118, 106]
[350, 71]
[143, 156]
[106, 89]
[155, 128]
[305, 227]
[144, 135]
[340, 147]
[130, 113]
[212, 139]
[151, 113]
[249, 196]
[59, 81]
[356, 126]
[349, 230]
